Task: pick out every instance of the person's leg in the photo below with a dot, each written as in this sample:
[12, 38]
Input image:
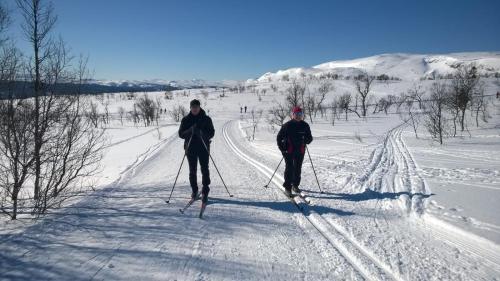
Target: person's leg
[288, 172]
[193, 165]
[298, 160]
[205, 172]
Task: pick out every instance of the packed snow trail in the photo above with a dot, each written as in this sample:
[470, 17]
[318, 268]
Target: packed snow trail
[127, 232]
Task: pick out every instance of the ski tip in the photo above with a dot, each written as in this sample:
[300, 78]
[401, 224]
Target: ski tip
[167, 201]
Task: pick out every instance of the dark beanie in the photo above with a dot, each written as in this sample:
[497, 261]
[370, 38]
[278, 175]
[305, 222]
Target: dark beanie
[194, 102]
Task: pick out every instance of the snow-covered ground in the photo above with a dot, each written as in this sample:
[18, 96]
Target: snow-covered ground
[394, 207]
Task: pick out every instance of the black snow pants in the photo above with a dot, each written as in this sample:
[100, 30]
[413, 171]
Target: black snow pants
[201, 154]
[293, 169]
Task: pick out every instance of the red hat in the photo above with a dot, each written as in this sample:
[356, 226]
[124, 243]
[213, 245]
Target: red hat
[296, 109]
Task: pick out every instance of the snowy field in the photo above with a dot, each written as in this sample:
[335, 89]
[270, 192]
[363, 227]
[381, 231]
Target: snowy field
[394, 207]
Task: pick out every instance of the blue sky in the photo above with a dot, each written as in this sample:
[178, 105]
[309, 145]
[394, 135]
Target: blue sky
[222, 39]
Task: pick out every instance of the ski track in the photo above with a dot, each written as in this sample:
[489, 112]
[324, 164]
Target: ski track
[368, 265]
[392, 169]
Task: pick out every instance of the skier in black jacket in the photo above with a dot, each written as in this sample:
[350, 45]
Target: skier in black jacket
[292, 140]
[197, 130]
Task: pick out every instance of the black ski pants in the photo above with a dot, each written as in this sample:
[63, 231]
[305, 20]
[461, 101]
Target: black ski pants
[293, 169]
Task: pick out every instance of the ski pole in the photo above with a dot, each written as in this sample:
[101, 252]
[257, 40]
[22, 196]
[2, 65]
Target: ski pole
[206, 148]
[178, 172]
[267, 185]
[314, 170]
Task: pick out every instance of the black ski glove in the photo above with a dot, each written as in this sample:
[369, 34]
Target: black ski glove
[195, 130]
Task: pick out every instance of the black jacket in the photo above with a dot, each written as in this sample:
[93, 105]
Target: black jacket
[199, 126]
[293, 137]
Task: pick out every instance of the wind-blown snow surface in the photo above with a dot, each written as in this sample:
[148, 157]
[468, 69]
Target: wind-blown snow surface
[394, 207]
[402, 66]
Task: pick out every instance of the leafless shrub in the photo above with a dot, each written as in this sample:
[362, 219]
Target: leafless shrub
[147, 109]
[177, 112]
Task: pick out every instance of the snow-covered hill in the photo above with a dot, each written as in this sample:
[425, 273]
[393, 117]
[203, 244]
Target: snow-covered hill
[402, 66]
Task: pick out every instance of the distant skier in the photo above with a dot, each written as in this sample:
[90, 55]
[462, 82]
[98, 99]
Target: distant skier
[245, 109]
[292, 140]
[498, 95]
[197, 129]
[241, 109]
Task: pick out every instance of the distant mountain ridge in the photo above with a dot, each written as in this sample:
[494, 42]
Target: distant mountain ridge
[160, 83]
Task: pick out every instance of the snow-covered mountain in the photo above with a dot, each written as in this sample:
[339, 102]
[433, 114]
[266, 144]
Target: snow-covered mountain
[402, 66]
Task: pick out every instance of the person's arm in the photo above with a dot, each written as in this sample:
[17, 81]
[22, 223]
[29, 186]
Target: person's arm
[281, 138]
[210, 128]
[184, 132]
[308, 136]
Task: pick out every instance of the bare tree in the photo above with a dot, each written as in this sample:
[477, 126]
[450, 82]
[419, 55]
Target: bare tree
[464, 83]
[4, 23]
[121, 113]
[344, 103]
[410, 116]
[39, 20]
[334, 110]
[363, 86]
[256, 115]
[92, 113]
[158, 109]
[295, 95]
[147, 109]
[383, 104]
[435, 121]
[277, 115]
[479, 104]
[16, 139]
[66, 147]
[323, 90]
[417, 93]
